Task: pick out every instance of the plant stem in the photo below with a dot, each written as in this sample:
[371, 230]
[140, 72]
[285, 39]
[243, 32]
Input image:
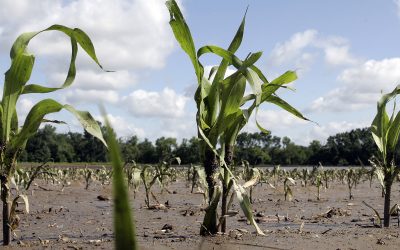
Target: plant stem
[225, 189]
[210, 167]
[5, 198]
[386, 208]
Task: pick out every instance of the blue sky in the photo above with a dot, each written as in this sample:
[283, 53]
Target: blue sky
[345, 53]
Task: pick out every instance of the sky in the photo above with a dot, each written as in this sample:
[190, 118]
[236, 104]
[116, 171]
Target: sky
[345, 53]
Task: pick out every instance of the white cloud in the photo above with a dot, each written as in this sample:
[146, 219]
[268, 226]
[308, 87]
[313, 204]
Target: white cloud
[361, 86]
[24, 105]
[339, 55]
[120, 29]
[182, 127]
[122, 127]
[397, 3]
[77, 96]
[90, 80]
[321, 133]
[129, 37]
[292, 49]
[302, 49]
[166, 103]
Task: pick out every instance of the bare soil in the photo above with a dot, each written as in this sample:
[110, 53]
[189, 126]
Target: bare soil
[75, 218]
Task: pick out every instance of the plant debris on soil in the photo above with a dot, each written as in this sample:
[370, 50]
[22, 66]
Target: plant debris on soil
[71, 217]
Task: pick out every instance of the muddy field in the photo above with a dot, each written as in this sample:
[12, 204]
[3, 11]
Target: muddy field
[75, 218]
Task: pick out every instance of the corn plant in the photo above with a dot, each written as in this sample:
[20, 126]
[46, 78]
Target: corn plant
[318, 184]
[88, 176]
[341, 175]
[351, 181]
[24, 177]
[220, 102]
[252, 177]
[13, 139]
[287, 188]
[385, 132]
[327, 175]
[133, 175]
[305, 175]
[152, 174]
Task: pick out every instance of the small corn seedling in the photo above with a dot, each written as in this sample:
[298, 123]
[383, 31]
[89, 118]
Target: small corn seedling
[305, 175]
[13, 138]
[385, 131]
[158, 173]
[132, 171]
[327, 175]
[88, 176]
[251, 176]
[200, 182]
[351, 182]
[318, 184]
[104, 175]
[371, 175]
[24, 178]
[287, 188]
[341, 175]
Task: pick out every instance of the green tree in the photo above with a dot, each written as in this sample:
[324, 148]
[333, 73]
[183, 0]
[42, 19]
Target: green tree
[165, 148]
[147, 152]
[130, 149]
[189, 151]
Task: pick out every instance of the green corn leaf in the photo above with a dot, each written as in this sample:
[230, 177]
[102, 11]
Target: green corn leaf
[47, 106]
[380, 127]
[14, 123]
[183, 36]
[232, 131]
[233, 47]
[269, 89]
[15, 78]
[233, 89]
[261, 128]
[378, 216]
[212, 72]
[255, 83]
[225, 54]
[259, 73]
[237, 39]
[88, 122]
[393, 133]
[245, 204]
[213, 100]
[77, 36]
[21, 67]
[286, 106]
[124, 229]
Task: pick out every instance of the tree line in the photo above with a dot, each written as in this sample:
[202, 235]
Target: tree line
[349, 148]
